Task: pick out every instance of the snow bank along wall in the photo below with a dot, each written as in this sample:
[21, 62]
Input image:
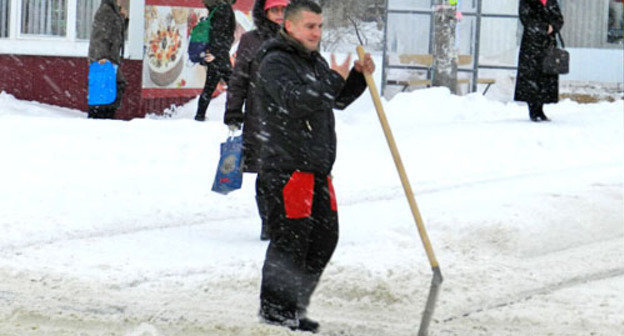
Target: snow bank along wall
[43, 55]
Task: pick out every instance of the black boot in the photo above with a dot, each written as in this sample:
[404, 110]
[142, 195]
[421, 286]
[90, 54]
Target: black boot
[534, 112]
[200, 117]
[539, 112]
[270, 314]
[534, 117]
[542, 116]
[305, 324]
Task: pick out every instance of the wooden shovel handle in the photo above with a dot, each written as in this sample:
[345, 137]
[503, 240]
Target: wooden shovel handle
[399, 164]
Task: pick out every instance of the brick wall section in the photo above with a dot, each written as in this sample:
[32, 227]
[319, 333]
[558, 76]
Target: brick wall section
[62, 81]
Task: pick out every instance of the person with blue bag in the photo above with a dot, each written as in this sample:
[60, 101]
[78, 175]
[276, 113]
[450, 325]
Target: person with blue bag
[106, 44]
[217, 56]
[268, 16]
[296, 92]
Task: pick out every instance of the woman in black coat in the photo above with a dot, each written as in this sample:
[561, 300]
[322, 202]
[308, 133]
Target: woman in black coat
[217, 60]
[268, 16]
[541, 20]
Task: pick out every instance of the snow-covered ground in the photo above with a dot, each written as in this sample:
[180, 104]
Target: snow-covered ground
[110, 227]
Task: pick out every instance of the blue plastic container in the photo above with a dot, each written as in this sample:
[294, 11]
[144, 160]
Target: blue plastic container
[102, 83]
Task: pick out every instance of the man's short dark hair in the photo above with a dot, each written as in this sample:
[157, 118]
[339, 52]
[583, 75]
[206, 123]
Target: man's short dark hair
[297, 6]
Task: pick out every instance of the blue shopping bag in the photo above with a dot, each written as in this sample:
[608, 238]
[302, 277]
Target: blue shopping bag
[102, 83]
[229, 175]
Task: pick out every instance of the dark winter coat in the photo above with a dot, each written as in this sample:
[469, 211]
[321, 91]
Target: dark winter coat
[107, 37]
[240, 90]
[532, 85]
[107, 33]
[222, 26]
[295, 94]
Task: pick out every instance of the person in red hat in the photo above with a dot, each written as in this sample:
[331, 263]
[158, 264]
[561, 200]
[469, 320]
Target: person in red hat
[268, 17]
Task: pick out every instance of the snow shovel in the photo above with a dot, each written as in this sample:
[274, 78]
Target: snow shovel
[437, 275]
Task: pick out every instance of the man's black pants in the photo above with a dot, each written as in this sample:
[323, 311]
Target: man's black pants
[303, 221]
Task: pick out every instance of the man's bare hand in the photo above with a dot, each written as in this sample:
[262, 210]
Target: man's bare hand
[550, 29]
[102, 61]
[342, 69]
[366, 65]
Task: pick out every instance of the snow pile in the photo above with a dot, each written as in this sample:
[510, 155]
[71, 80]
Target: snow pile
[110, 227]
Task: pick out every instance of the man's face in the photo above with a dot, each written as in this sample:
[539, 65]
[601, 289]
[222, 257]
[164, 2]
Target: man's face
[276, 14]
[307, 28]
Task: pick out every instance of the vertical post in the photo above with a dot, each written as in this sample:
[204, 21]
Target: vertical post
[70, 25]
[475, 66]
[431, 30]
[135, 29]
[385, 52]
[445, 55]
[14, 19]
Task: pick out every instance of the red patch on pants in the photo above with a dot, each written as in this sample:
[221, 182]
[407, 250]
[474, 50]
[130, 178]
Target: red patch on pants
[298, 195]
[332, 194]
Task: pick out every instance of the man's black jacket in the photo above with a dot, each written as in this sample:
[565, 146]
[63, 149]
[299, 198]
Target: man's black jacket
[296, 93]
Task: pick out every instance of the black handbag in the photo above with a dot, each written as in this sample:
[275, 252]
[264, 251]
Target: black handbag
[556, 60]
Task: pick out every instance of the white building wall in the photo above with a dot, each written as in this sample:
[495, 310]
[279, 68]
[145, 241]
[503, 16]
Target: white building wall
[596, 65]
[499, 36]
[584, 32]
[586, 24]
[408, 33]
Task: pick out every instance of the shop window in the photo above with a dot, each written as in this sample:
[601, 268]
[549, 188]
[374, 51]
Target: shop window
[616, 22]
[44, 17]
[85, 10]
[4, 18]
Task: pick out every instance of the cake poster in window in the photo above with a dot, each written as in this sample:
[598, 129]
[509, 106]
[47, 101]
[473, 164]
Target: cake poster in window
[168, 25]
[165, 63]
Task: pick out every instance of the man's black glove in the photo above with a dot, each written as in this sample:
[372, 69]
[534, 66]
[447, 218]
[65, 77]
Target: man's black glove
[233, 117]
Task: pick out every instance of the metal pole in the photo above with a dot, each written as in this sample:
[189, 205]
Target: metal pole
[475, 74]
[431, 28]
[385, 52]
[431, 36]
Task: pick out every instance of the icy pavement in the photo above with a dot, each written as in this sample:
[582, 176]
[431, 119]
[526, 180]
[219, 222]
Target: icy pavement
[109, 227]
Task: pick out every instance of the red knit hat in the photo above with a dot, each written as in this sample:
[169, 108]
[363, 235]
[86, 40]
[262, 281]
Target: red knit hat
[274, 3]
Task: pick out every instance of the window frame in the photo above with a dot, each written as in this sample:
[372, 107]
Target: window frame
[8, 19]
[18, 43]
[76, 26]
[67, 22]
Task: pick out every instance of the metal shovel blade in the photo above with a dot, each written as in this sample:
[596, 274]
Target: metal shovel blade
[431, 301]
